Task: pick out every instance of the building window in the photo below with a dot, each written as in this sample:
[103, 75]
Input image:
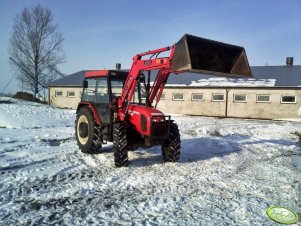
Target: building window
[58, 93]
[263, 98]
[178, 96]
[162, 96]
[288, 99]
[71, 94]
[197, 97]
[242, 98]
[218, 97]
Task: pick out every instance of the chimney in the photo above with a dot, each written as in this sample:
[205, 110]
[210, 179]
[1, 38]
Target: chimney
[289, 61]
[118, 66]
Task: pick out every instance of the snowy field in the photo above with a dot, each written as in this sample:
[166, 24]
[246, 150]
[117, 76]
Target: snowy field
[230, 172]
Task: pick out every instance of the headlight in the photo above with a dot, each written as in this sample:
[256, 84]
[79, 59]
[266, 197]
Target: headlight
[158, 119]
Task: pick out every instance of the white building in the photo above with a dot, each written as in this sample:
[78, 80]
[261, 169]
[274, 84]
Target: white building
[273, 93]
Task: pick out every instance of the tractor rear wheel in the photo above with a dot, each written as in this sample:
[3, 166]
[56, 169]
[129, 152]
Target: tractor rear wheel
[87, 131]
[120, 145]
[172, 146]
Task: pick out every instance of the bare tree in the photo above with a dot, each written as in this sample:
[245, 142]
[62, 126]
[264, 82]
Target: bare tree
[36, 48]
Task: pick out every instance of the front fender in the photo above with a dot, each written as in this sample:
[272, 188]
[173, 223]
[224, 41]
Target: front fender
[92, 108]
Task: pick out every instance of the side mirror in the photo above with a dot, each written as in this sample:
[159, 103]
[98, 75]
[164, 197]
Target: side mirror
[85, 84]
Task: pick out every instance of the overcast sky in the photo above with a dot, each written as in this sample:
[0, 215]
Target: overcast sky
[100, 33]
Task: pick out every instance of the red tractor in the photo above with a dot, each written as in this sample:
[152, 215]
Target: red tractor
[118, 106]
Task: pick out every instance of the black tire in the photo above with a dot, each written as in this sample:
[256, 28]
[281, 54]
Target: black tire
[120, 145]
[172, 146]
[87, 131]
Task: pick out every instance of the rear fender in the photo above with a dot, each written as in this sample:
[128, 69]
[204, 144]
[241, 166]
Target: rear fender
[92, 108]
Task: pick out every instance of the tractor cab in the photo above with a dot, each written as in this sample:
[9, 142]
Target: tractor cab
[101, 90]
[105, 87]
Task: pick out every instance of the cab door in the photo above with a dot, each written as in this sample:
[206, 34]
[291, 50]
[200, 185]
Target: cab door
[102, 101]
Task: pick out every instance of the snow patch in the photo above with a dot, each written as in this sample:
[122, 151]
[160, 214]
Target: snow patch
[233, 82]
[230, 172]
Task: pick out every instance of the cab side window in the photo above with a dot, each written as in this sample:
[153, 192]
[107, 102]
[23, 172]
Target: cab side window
[89, 92]
[102, 95]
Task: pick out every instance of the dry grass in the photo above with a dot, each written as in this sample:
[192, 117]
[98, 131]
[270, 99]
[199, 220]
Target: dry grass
[6, 102]
[297, 135]
[216, 133]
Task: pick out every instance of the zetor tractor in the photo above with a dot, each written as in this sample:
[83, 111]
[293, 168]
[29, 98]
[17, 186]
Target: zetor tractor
[120, 107]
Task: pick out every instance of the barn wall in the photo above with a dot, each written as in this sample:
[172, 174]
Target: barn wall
[251, 108]
[207, 107]
[266, 110]
[193, 107]
[64, 101]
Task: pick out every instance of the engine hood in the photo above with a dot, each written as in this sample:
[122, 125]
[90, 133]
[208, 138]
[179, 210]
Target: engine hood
[140, 117]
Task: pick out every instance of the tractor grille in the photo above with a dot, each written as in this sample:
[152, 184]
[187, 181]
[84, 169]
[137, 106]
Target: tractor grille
[160, 127]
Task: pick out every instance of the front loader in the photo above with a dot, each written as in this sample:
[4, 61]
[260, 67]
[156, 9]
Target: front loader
[120, 107]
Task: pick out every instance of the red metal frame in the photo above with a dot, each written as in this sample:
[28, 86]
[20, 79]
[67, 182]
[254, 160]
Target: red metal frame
[133, 112]
[139, 65]
[95, 73]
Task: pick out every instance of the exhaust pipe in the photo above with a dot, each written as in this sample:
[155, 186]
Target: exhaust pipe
[200, 55]
[118, 66]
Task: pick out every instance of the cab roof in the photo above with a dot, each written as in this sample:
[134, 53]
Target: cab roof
[103, 73]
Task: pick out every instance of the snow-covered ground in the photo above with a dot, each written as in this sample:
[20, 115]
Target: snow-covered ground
[230, 172]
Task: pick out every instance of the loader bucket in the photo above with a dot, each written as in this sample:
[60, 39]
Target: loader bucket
[206, 56]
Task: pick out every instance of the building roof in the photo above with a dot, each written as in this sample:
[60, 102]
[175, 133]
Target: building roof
[75, 79]
[263, 76]
[284, 75]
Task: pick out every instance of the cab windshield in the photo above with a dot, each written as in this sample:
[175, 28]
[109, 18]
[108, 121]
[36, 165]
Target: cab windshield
[139, 96]
[96, 90]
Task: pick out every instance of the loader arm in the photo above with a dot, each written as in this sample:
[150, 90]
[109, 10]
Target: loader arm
[162, 64]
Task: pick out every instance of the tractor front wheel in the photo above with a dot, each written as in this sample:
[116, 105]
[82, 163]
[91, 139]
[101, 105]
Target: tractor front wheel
[120, 145]
[172, 146]
[87, 131]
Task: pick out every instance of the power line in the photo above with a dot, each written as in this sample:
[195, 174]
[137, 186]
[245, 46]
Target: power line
[10, 81]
